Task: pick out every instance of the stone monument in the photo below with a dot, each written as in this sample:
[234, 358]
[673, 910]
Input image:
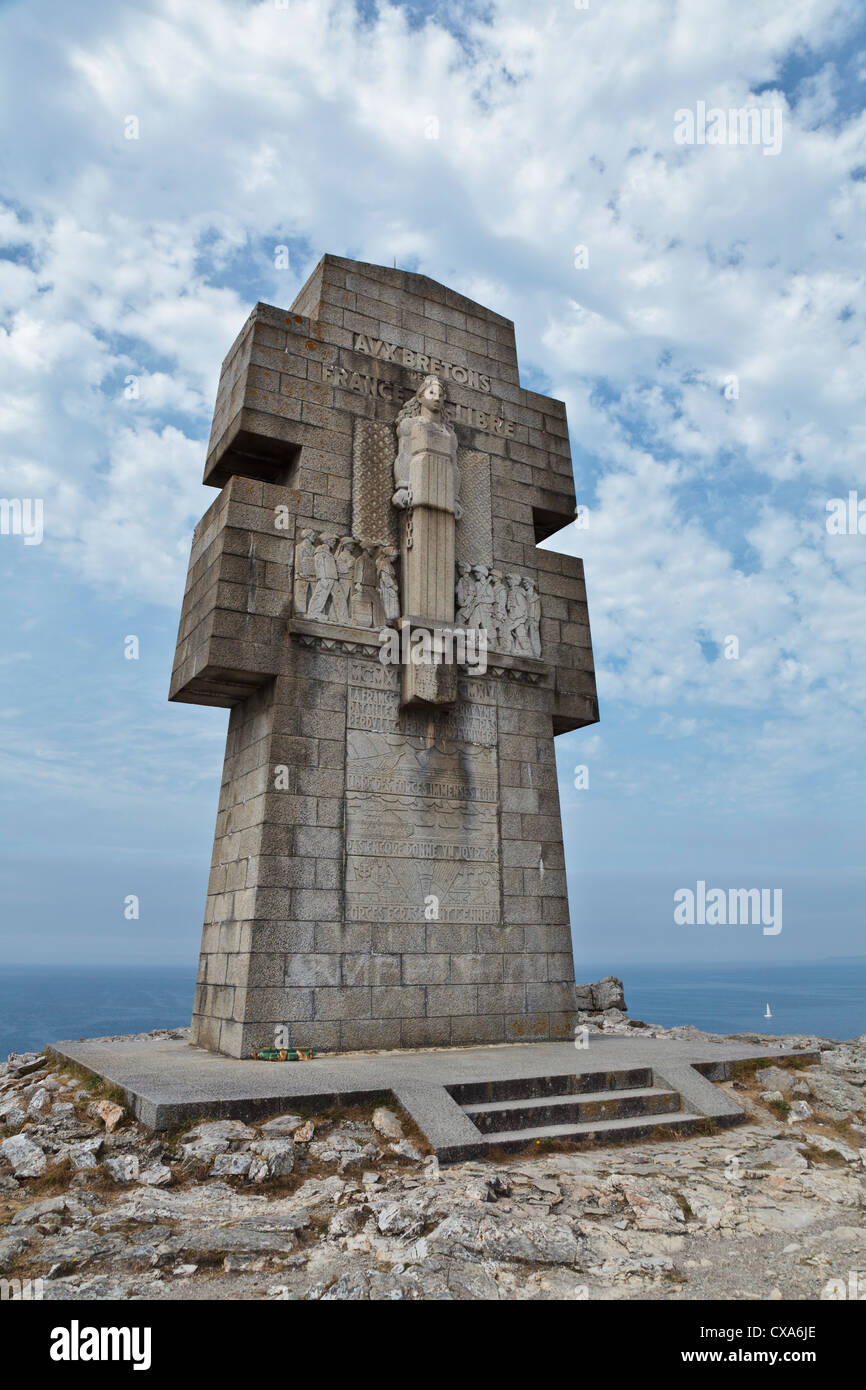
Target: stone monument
[367, 596]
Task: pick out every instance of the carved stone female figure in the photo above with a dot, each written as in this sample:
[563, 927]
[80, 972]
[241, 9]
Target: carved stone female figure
[426, 408]
[367, 608]
[388, 591]
[426, 486]
[465, 595]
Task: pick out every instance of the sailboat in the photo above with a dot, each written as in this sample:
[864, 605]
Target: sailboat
[768, 1014]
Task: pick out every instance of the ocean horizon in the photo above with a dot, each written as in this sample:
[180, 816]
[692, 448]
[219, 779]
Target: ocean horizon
[39, 1005]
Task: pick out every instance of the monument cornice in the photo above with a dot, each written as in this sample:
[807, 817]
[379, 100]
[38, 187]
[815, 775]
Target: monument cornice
[363, 639]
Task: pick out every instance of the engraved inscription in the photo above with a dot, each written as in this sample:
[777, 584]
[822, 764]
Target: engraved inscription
[406, 357]
[390, 763]
[420, 827]
[374, 675]
[484, 692]
[421, 811]
[395, 890]
[379, 711]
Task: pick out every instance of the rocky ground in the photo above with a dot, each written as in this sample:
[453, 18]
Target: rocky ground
[352, 1205]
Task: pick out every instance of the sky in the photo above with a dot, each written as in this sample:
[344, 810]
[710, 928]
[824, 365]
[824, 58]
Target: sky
[698, 306]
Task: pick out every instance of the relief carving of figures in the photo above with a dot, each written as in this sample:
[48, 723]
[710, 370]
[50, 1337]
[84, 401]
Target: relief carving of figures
[346, 581]
[507, 607]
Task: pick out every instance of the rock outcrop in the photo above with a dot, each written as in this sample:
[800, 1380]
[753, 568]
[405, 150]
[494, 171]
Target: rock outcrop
[603, 995]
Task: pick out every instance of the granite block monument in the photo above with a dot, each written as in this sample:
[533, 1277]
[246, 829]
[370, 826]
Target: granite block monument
[367, 596]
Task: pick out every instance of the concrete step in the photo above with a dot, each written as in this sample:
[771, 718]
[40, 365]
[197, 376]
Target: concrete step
[575, 1109]
[619, 1131]
[571, 1083]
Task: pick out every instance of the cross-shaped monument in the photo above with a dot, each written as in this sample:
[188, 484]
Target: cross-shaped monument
[367, 596]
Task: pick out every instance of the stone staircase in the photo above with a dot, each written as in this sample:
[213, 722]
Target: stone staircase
[602, 1107]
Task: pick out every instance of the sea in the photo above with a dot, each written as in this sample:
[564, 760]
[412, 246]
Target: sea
[827, 997]
[39, 1005]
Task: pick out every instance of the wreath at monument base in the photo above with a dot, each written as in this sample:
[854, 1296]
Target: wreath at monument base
[284, 1054]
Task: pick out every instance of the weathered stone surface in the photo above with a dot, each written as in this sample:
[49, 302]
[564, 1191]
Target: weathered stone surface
[27, 1159]
[799, 1110]
[776, 1079]
[62, 1116]
[240, 1239]
[124, 1168]
[40, 1102]
[407, 1150]
[499, 1237]
[24, 1063]
[282, 1126]
[279, 1155]
[386, 1122]
[604, 995]
[157, 1175]
[340, 1149]
[198, 1157]
[835, 1095]
[218, 1132]
[653, 1210]
[83, 1155]
[231, 1165]
[68, 1254]
[10, 1249]
[780, 1154]
[835, 1146]
[109, 1113]
[36, 1212]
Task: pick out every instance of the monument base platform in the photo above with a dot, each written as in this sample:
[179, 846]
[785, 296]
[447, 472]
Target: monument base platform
[466, 1101]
